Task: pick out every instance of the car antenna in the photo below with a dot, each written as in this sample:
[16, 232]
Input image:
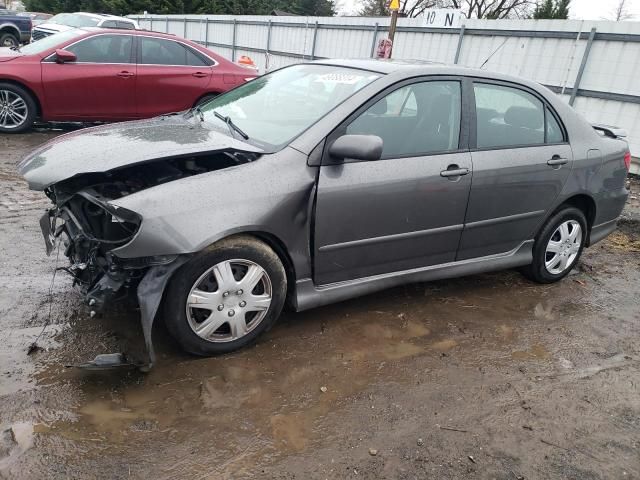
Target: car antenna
[493, 53]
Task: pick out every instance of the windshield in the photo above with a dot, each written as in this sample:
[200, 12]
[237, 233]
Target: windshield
[73, 20]
[275, 108]
[51, 41]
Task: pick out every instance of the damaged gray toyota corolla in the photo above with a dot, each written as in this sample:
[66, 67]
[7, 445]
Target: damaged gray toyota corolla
[321, 182]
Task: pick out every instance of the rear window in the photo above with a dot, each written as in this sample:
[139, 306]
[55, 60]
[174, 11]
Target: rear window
[158, 51]
[74, 20]
[507, 116]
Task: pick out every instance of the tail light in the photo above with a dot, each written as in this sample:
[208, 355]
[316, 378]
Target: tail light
[627, 160]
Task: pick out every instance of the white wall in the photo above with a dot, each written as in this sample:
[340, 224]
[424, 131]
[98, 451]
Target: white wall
[612, 67]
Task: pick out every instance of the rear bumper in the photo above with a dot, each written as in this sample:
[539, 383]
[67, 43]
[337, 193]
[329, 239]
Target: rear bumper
[609, 206]
[600, 232]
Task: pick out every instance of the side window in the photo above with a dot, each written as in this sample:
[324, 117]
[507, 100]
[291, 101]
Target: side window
[554, 131]
[157, 51]
[104, 49]
[507, 117]
[109, 24]
[421, 118]
[125, 25]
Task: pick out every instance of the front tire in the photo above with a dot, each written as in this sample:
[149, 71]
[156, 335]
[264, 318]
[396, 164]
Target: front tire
[205, 99]
[558, 246]
[225, 297]
[17, 109]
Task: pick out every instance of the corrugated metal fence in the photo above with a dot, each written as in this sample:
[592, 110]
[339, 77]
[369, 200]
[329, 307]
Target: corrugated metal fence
[594, 65]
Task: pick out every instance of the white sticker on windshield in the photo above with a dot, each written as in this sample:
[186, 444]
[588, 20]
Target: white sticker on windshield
[345, 78]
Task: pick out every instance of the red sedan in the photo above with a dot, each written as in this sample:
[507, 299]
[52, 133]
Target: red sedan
[93, 74]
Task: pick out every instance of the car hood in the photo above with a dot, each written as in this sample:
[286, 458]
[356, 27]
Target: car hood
[108, 147]
[7, 54]
[53, 27]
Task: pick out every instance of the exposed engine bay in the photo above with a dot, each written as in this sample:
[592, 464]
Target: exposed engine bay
[86, 228]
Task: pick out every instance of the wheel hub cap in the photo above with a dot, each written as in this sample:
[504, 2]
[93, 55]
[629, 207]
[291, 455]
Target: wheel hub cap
[229, 300]
[563, 247]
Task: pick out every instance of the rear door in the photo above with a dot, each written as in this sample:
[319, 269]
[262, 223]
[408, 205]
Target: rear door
[521, 162]
[171, 76]
[403, 211]
[99, 85]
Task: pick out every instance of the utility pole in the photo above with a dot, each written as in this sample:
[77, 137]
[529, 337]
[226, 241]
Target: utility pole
[394, 6]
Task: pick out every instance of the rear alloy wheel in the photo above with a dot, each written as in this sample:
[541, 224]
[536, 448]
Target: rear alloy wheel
[558, 246]
[226, 296]
[8, 40]
[17, 109]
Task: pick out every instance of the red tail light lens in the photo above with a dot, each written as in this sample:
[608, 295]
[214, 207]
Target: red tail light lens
[627, 160]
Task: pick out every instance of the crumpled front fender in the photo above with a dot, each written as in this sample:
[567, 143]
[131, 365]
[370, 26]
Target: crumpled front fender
[150, 292]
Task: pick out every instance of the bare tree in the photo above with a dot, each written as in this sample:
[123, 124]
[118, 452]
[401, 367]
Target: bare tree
[493, 9]
[620, 13]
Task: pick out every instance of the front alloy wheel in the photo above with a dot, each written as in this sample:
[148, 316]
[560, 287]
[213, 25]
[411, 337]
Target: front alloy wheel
[13, 110]
[17, 108]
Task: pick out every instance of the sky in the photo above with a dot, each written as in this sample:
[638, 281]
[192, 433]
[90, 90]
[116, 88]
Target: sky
[580, 9]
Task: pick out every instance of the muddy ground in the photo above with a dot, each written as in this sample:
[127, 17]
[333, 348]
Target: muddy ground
[488, 377]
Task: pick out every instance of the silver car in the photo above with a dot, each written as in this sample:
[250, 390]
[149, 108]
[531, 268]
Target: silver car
[321, 182]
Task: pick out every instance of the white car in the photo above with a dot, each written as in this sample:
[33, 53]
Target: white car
[68, 21]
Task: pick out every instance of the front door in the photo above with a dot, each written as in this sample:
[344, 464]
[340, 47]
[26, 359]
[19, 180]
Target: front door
[99, 85]
[520, 165]
[171, 76]
[405, 210]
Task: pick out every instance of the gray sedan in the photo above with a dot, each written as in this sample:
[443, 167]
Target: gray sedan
[321, 182]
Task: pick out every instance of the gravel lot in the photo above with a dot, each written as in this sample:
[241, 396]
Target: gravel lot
[488, 377]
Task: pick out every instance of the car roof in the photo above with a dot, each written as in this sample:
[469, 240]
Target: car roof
[412, 68]
[136, 32]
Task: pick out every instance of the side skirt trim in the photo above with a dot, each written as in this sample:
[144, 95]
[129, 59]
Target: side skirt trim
[309, 295]
[390, 238]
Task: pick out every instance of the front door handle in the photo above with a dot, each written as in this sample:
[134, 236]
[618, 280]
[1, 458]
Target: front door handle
[125, 74]
[557, 160]
[200, 74]
[454, 171]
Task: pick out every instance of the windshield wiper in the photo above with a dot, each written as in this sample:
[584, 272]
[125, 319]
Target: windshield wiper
[15, 48]
[232, 126]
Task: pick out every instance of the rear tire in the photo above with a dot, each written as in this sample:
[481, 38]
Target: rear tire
[226, 296]
[9, 40]
[558, 246]
[17, 109]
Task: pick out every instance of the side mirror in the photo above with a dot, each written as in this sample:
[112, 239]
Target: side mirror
[358, 147]
[64, 56]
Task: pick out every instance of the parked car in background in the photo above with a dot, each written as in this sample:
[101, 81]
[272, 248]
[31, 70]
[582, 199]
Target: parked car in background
[67, 21]
[92, 74]
[324, 181]
[36, 17]
[14, 29]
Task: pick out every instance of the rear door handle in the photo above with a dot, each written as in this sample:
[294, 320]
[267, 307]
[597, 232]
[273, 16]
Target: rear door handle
[125, 74]
[557, 160]
[454, 171]
[200, 74]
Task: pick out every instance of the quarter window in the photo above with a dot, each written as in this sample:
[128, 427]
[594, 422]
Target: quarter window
[421, 118]
[103, 49]
[156, 51]
[554, 132]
